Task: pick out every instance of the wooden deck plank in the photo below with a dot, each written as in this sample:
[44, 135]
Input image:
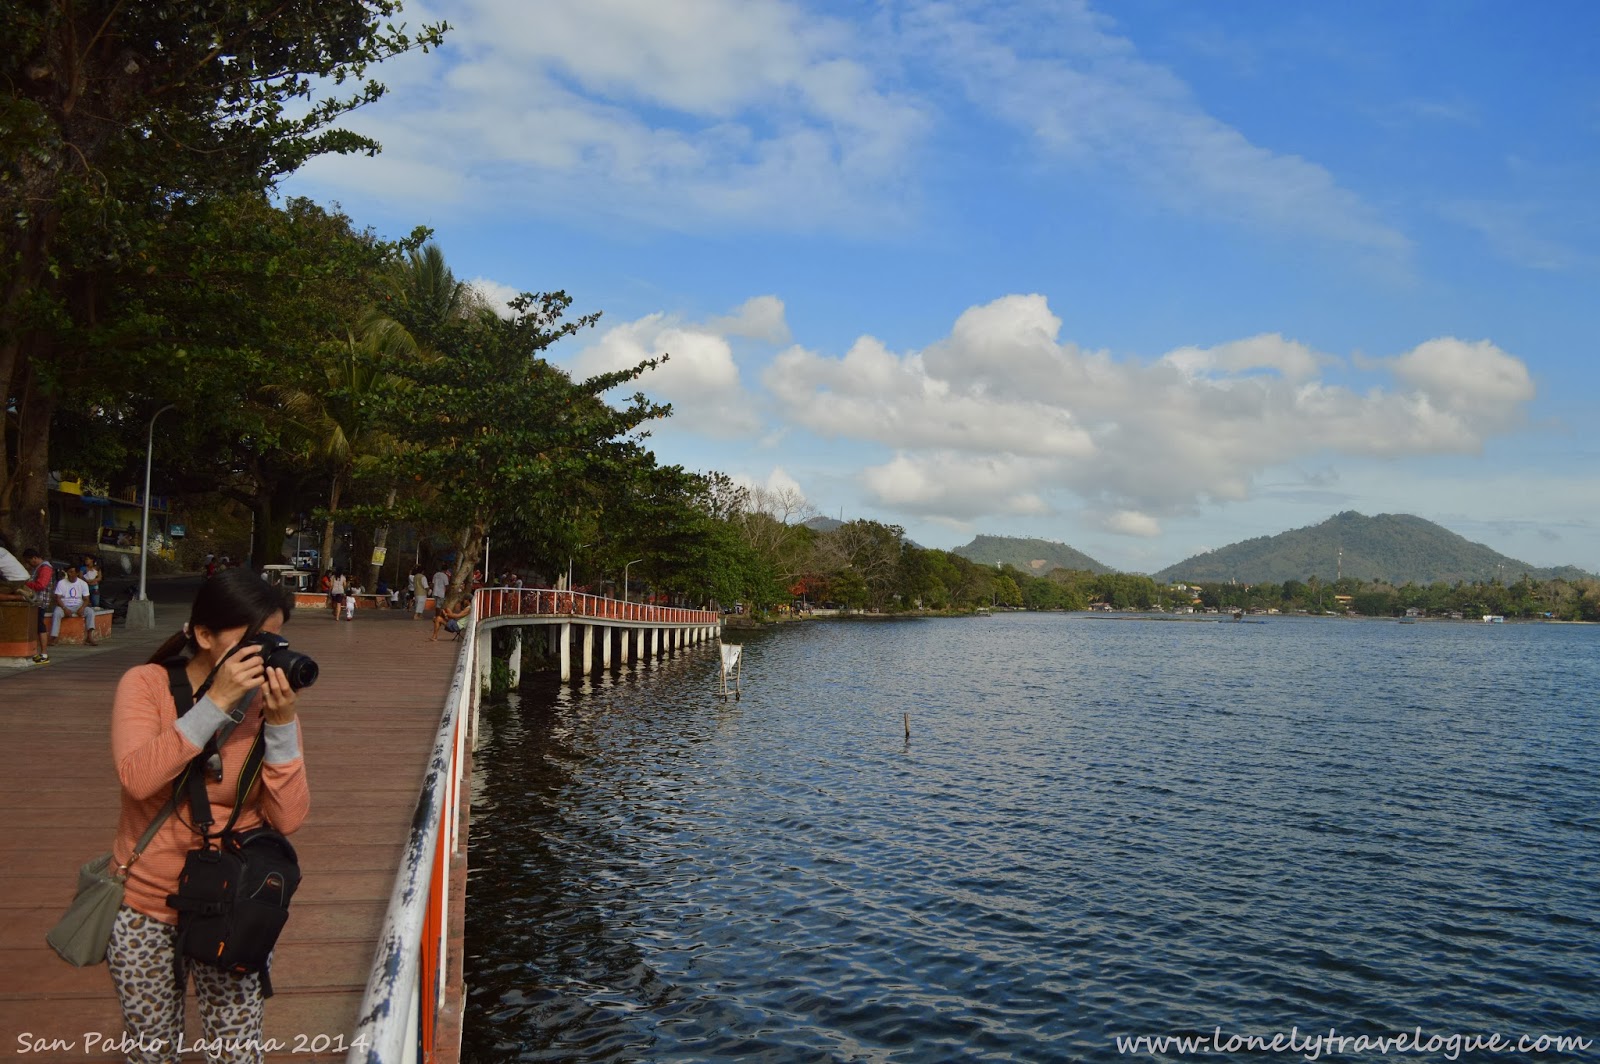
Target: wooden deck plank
[368, 726]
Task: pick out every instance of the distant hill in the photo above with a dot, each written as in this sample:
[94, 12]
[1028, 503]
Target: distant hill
[1033, 556]
[1398, 548]
[824, 524]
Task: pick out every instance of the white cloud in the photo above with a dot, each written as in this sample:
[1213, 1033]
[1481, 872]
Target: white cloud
[1474, 378]
[956, 487]
[1002, 416]
[778, 481]
[873, 394]
[498, 296]
[701, 375]
[1291, 360]
[756, 111]
[759, 318]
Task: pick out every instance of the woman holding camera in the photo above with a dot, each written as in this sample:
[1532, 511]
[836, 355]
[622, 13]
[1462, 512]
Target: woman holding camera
[152, 746]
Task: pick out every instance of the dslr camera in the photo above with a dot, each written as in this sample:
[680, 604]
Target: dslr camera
[300, 670]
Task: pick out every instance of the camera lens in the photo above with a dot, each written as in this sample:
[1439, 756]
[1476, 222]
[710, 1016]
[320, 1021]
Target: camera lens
[297, 668]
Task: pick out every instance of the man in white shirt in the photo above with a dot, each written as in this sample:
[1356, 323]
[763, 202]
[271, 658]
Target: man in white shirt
[72, 600]
[441, 584]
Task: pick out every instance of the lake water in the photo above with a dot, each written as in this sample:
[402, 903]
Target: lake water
[1099, 827]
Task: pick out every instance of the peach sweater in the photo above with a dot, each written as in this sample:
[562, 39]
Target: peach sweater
[151, 746]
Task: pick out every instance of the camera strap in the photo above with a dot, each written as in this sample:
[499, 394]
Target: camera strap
[193, 780]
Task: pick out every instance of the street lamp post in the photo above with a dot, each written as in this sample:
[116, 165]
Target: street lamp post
[625, 578]
[141, 614]
[569, 564]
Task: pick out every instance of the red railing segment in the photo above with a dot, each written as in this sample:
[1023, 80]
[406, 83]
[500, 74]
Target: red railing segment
[547, 602]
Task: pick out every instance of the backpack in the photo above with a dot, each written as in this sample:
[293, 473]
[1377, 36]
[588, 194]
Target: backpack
[234, 891]
[233, 901]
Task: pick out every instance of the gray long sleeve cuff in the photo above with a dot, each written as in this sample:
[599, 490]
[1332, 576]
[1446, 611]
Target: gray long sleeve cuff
[283, 742]
[201, 723]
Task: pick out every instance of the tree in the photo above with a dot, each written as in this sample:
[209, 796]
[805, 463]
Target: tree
[338, 423]
[112, 115]
[504, 439]
[239, 298]
[866, 551]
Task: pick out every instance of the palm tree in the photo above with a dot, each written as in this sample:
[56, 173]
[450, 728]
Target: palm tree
[425, 296]
[338, 425]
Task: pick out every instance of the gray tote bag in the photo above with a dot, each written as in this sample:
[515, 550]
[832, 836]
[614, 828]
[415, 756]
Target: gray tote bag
[82, 935]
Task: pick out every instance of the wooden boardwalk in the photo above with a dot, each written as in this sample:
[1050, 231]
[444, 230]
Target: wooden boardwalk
[368, 725]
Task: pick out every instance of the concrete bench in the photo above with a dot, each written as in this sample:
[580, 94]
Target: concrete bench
[72, 633]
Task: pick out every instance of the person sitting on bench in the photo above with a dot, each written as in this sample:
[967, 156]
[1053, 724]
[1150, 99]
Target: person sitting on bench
[72, 600]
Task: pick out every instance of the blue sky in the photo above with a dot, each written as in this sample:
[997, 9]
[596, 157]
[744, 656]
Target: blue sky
[1145, 278]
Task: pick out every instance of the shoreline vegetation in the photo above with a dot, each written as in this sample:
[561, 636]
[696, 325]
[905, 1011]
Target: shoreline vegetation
[929, 582]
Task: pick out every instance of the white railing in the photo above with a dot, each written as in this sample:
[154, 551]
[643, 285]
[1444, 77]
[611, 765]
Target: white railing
[399, 1013]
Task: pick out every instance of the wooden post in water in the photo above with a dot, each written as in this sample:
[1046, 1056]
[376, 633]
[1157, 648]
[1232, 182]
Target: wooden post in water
[908, 727]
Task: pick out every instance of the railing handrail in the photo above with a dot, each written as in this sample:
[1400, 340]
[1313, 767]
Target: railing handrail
[386, 1026]
[495, 602]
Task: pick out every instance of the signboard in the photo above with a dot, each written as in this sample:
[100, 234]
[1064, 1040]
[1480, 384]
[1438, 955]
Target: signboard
[378, 554]
[176, 531]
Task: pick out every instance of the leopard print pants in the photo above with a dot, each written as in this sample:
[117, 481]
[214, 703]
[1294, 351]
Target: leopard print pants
[140, 957]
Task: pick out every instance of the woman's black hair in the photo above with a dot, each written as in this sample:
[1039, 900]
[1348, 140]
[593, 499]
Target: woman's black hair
[234, 598]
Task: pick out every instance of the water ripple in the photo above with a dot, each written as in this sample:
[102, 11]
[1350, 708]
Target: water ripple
[1095, 829]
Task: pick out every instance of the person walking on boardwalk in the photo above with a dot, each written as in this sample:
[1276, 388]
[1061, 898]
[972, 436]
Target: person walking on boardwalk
[336, 591]
[419, 592]
[151, 746]
[441, 584]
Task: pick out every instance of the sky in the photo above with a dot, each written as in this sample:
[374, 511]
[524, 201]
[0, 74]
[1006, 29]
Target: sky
[1146, 278]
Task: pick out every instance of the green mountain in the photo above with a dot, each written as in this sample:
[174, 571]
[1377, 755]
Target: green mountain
[1033, 556]
[1397, 548]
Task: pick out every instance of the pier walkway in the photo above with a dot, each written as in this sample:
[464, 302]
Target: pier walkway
[368, 724]
[372, 726]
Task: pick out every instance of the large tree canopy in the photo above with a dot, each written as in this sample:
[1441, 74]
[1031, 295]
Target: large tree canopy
[111, 114]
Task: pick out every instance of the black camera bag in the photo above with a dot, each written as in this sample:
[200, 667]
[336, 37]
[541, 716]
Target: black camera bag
[233, 897]
[233, 901]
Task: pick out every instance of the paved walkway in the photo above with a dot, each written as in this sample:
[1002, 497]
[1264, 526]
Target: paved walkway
[368, 726]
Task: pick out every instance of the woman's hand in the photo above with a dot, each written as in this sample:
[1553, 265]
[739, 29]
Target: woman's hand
[279, 697]
[239, 675]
